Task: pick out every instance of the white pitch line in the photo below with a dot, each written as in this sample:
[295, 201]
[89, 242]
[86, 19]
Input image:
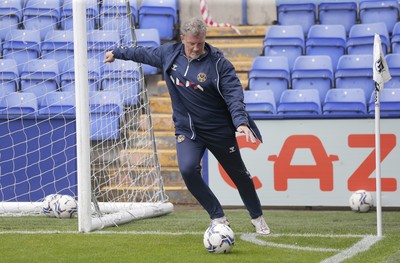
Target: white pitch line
[252, 238]
[32, 232]
[362, 245]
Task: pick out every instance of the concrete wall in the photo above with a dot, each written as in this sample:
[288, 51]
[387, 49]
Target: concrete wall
[259, 12]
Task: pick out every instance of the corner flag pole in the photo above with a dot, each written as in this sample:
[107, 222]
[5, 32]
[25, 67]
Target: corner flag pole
[378, 162]
[380, 75]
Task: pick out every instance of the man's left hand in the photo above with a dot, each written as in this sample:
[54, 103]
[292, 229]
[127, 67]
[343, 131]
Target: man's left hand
[249, 134]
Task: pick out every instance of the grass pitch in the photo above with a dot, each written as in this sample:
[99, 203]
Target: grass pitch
[297, 236]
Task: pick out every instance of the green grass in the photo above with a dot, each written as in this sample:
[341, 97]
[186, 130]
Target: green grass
[137, 241]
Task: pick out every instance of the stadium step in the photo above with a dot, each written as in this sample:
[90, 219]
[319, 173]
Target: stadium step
[164, 139]
[242, 65]
[121, 180]
[176, 194]
[160, 104]
[248, 31]
[161, 122]
[240, 48]
[166, 157]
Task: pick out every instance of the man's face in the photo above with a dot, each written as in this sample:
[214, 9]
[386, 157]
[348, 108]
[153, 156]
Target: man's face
[194, 45]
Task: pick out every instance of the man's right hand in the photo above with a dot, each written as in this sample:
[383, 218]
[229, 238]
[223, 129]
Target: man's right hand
[109, 57]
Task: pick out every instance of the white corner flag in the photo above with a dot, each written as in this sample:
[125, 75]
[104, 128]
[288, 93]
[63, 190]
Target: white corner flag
[380, 75]
[380, 69]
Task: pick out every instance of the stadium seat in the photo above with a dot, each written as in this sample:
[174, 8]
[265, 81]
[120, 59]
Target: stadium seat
[19, 103]
[145, 37]
[40, 76]
[304, 102]
[105, 110]
[67, 75]
[260, 103]
[345, 102]
[355, 71]
[389, 103]
[393, 63]
[313, 72]
[58, 45]
[159, 14]
[327, 40]
[57, 103]
[285, 41]
[21, 45]
[395, 40]
[114, 16]
[123, 77]
[41, 15]
[386, 11]
[92, 12]
[270, 73]
[11, 16]
[9, 76]
[303, 14]
[338, 13]
[100, 41]
[361, 38]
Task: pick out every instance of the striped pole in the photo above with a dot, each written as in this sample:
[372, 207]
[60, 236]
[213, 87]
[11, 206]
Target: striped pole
[208, 19]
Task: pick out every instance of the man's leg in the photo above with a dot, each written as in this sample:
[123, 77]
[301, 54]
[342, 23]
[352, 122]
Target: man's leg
[189, 156]
[227, 153]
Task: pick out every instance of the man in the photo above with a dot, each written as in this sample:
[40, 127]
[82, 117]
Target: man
[208, 108]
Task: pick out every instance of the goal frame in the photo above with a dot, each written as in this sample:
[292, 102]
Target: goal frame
[125, 212]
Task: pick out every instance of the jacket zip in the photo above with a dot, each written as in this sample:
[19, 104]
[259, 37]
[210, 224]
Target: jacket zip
[190, 118]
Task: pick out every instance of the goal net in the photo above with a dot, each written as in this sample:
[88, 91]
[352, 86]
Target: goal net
[70, 124]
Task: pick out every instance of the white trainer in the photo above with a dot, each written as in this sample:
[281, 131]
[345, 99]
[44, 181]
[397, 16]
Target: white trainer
[261, 226]
[220, 220]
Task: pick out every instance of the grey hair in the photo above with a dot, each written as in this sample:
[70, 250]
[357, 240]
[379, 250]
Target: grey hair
[194, 26]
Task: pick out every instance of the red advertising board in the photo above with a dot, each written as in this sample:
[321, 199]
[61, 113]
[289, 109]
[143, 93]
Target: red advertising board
[314, 163]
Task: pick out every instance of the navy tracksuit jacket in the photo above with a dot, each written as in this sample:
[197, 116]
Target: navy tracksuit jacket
[207, 102]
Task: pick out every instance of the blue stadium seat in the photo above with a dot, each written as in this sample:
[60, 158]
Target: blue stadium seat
[159, 14]
[259, 103]
[327, 40]
[67, 75]
[393, 63]
[19, 103]
[355, 71]
[57, 103]
[345, 102]
[303, 14]
[101, 41]
[145, 37]
[9, 76]
[58, 45]
[386, 11]
[304, 102]
[338, 13]
[395, 40]
[41, 15]
[40, 76]
[11, 16]
[92, 12]
[313, 72]
[389, 103]
[105, 110]
[361, 38]
[285, 41]
[21, 45]
[123, 77]
[270, 73]
[114, 16]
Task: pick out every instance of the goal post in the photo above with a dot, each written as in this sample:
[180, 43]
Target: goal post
[82, 116]
[100, 149]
